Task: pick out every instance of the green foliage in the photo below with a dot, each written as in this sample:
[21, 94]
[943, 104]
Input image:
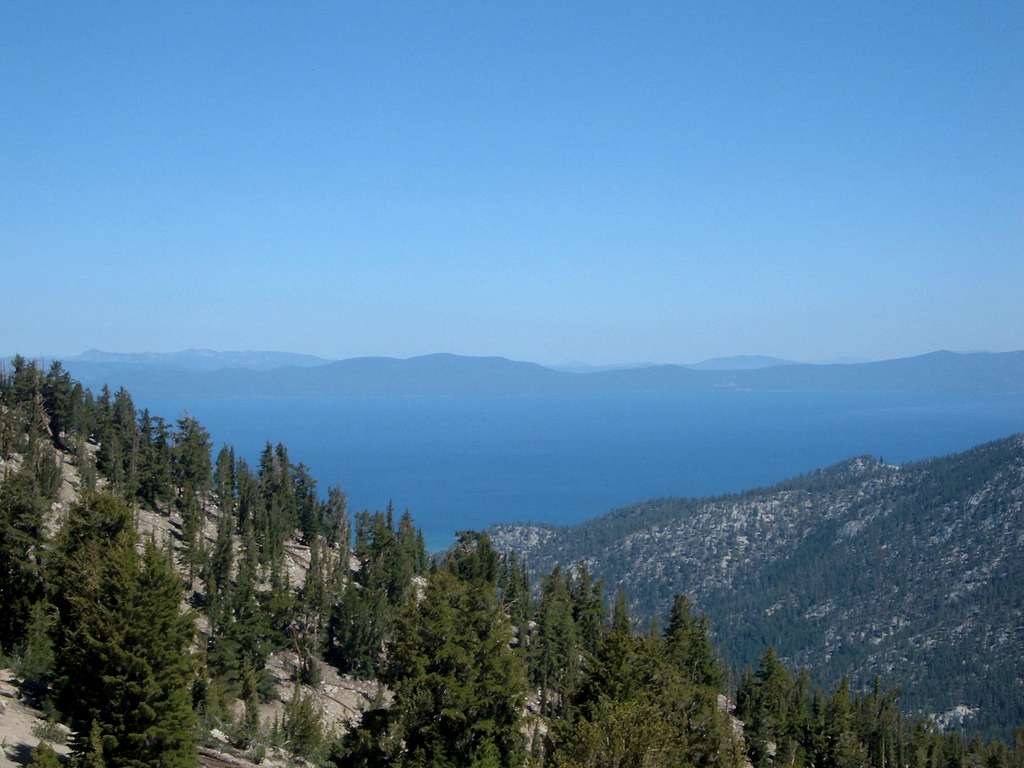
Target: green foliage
[218, 572]
[789, 722]
[249, 729]
[49, 731]
[335, 520]
[123, 657]
[37, 659]
[641, 702]
[303, 731]
[43, 756]
[190, 455]
[92, 755]
[458, 687]
[620, 733]
[241, 636]
[21, 539]
[363, 613]
[556, 648]
[154, 460]
[688, 643]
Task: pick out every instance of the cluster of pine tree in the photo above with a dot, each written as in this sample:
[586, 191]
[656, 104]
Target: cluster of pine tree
[238, 530]
[789, 721]
[481, 667]
[97, 620]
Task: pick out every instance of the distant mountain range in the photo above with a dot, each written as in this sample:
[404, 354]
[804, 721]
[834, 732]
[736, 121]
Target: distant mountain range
[204, 373]
[199, 359]
[912, 572]
[739, 363]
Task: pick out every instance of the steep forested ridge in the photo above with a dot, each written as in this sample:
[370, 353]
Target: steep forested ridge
[865, 568]
[163, 605]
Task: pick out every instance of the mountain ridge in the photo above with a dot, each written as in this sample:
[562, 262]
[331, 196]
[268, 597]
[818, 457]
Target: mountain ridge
[450, 374]
[740, 363]
[860, 568]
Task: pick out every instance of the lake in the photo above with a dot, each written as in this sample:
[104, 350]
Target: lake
[467, 462]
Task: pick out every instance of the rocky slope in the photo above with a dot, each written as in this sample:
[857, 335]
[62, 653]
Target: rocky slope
[338, 699]
[913, 573]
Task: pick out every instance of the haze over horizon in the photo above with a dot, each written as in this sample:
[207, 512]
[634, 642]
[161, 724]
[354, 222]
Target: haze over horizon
[541, 183]
[738, 361]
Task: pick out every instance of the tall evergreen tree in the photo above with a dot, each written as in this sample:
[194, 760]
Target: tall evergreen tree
[21, 540]
[688, 642]
[458, 688]
[123, 657]
[556, 652]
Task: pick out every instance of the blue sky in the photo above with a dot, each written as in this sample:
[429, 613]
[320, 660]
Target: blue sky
[547, 181]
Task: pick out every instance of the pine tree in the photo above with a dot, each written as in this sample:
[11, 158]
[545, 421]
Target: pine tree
[222, 556]
[43, 756]
[123, 657]
[305, 498]
[458, 687]
[154, 460]
[191, 456]
[241, 636]
[303, 731]
[588, 608]
[21, 540]
[356, 630]
[92, 757]
[192, 524]
[38, 658]
[689, 643]
[621, 622]
[764, 706]
[335, 520]
[250, 730]
[57, 399]
[309, 627]
[556, 653]
[224, 482]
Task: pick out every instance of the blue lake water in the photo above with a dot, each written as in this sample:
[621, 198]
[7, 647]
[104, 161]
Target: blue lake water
[467, 462]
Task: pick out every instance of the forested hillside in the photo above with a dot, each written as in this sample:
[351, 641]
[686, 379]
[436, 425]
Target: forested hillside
[166, 604]
[909, 572]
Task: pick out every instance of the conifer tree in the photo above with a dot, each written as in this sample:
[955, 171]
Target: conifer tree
[92, 757]
[250, 699]
[191, 456]
[58, 401]
[21, 540]
[305, 499]
[43, 756]
[37, 660]
[621, 622]
[588, 608]
[336, 522]
[248, 495]
[308, 626]
[123, 658]
[302, 728]
[556, 654]
[224, 480]
[764, 706]
[222, 556]
[458, 687]
[241, 636]
[689, 644]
